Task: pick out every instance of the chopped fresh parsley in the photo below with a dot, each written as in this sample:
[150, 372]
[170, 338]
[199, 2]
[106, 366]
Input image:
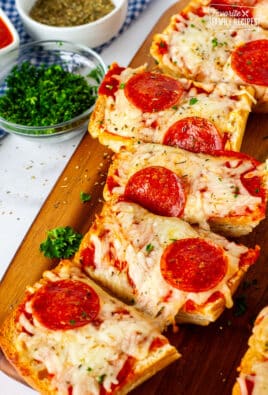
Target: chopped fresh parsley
[85, 197]
[193, 100]
[214, 42]
[61, 242]
[149, 248]
[46, 95]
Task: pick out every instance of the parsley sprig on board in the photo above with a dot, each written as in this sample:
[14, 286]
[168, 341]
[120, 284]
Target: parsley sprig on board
[61, 242]
[44, 96]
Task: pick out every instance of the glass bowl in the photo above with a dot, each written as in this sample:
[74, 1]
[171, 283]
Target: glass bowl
[74, 58]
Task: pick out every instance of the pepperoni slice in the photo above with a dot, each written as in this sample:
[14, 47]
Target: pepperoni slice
[234, 8]
[193, 265]
[65, 304]
[194, 134]
[157, 189]
[110, 83]
[250, 62]
[152, 92]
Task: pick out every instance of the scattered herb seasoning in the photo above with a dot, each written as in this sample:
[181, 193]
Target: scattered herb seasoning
[85, 197]
[247, 284]
[236, 191]
[61, 242]
[193, 100]
[101, 378]
[70, 12]
[45, 96]
[214, 42]
[149, 248]
[240, 306]
[160, 311]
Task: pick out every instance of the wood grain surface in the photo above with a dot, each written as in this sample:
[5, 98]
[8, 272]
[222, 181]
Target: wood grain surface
[210, 355]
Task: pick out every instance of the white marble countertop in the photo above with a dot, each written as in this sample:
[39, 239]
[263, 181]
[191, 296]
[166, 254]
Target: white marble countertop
[29, 170]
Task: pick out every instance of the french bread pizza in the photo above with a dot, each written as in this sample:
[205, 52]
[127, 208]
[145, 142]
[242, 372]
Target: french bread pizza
[137, 104]
[226, 191]
[69, 337]
[168, 269]
[204, 44]
[253, 370]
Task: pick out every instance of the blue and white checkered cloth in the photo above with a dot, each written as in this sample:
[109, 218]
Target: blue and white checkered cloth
[135, 8]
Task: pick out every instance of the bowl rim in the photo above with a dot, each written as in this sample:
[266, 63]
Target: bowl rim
[70, 28]
[21, 49]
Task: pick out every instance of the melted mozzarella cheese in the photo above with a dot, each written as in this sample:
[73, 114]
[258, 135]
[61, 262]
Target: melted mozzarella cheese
[81, 356]
[199, 47]
[130, 229]
[261, 378]
[258, 359]
[216, 103]
[260, 333]
[213, 190]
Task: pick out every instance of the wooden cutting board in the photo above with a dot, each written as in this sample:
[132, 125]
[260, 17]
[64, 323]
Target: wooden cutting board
[210, 355]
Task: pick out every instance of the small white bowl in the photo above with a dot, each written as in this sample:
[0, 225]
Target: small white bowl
[91, 34]
[74, 58]
[15, 37]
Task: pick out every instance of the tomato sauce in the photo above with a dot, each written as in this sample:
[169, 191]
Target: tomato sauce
[6, 37]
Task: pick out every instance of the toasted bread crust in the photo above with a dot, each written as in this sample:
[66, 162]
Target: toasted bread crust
[228, 225]
[35, 373]
[234, 123]
[169, 67]
[118, 285]
[255, 355]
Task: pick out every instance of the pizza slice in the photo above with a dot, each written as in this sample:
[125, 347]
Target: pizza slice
[253, 376]
[204, 44]
[137, 104]
[166, 268]
[69, 337]
[227, 191]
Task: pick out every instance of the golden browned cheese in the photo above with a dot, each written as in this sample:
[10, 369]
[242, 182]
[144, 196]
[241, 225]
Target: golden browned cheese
[70, 12]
